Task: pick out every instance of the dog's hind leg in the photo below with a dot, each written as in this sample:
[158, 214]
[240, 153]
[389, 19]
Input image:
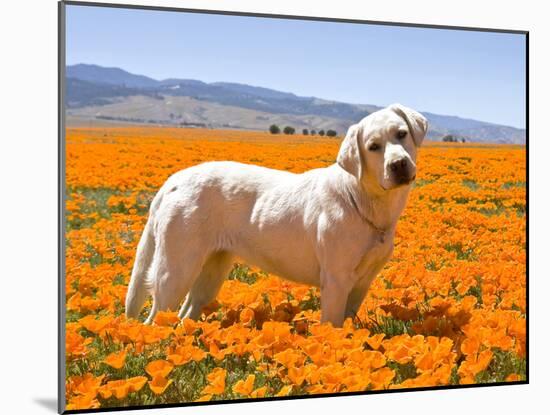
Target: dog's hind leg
[171, 282]
[207, 285]
[177, 263]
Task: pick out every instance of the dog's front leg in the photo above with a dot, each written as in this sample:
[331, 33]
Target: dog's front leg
[334, 295]
[355, 299]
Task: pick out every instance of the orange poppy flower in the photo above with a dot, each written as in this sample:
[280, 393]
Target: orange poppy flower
[120, 388]
[87, 384]
[185, 354]
[166, 318]
[285, 391]
[259, 393]
[204, 398]
[245, 387]
[375, 341]
[82, 402]
[216, 380]
[159, 368]
[247, 316]
[116, 360]
[136, 383]
[381, 378]
[474, 364]
[159, 384]
[470, 346]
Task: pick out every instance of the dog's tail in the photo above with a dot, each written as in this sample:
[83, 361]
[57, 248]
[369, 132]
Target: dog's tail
[140, 286]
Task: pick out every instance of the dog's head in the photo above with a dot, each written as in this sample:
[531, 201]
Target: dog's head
[380, 150]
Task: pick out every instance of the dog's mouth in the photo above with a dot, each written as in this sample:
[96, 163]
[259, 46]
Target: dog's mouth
[405, 181]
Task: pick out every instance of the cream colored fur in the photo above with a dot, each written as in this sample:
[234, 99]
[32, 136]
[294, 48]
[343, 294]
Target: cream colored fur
[331, 227]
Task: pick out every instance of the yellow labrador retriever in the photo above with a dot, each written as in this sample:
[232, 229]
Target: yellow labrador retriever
[331, 227]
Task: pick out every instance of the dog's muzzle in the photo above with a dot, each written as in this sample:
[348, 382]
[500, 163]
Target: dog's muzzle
[402, 171]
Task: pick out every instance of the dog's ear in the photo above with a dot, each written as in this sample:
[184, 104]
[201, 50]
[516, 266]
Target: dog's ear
[350, 156]
[417, 123]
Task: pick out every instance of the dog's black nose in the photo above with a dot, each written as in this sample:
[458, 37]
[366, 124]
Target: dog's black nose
[398, 166]
[400, 171]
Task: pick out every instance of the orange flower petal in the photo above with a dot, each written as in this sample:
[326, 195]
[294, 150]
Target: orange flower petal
[159, 384]
[159, 368]
[116, 360]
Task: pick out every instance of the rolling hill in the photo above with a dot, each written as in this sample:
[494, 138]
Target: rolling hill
[115, 95]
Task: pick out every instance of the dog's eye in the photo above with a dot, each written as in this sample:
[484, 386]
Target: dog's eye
[373, 147]
[401, 134]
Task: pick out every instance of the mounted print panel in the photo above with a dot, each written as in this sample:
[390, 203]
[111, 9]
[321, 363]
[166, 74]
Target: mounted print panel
[261, 207]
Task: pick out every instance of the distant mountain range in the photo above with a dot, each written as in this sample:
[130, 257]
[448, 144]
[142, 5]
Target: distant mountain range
[114, 95]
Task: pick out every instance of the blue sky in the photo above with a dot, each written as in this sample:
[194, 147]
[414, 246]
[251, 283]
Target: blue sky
[476, 75]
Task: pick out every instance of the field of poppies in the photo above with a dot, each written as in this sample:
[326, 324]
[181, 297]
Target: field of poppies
[449, 308]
